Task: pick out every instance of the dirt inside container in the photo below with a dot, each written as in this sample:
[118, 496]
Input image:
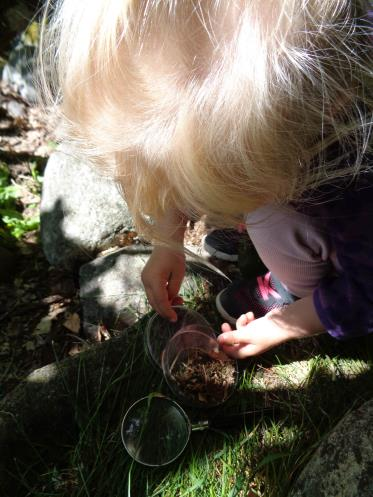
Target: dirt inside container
[204, 379]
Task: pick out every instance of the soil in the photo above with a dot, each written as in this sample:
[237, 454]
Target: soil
[204, 379]
[36, 300]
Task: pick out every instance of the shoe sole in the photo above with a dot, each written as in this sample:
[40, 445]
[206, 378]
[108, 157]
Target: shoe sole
[223, 313]
[219, 255]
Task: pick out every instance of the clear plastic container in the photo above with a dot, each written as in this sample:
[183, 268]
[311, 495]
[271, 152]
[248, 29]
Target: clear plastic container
[159, 331]
[196, 371]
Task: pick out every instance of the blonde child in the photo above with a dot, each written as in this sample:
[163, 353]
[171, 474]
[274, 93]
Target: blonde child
[224, 108]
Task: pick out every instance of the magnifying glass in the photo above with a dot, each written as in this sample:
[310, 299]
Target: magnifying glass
[156, 430]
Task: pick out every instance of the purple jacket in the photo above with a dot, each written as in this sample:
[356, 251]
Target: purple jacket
[344, 302]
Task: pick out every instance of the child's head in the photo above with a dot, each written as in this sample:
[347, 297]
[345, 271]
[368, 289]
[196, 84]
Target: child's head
[213, 107]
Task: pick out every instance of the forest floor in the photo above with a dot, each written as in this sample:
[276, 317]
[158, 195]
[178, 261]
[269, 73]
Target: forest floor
[38, 303]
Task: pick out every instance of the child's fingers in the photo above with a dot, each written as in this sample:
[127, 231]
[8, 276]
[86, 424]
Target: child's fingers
[159, 301]
[241, 321]
[239, 351]
[174, 282]
[226, 327]
[250, 316]
[245, 319]
[233, 337]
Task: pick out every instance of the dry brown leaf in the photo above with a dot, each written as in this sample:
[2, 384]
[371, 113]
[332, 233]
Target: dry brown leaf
[74, 349]
[29, 345]
[72, 322]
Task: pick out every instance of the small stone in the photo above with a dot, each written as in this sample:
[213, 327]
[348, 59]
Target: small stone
[15, 109]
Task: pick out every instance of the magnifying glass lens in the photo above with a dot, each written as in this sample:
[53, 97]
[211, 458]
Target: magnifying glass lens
[155, 431]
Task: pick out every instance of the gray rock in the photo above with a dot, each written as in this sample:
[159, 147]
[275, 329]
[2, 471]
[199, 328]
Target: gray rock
[111, 291]
[343, 464]
[81, 211]
[15, 109]
[18, 72]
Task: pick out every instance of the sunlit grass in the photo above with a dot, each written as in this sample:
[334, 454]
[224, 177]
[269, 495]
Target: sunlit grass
[309, 386]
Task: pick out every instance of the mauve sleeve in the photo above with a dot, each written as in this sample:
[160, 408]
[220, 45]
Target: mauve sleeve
[344, 302]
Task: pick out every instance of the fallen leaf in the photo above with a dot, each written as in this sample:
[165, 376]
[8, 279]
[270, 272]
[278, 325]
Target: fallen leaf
[29, 345]
[52, 299]
[72, 323]
[74, 350]
[44, 326]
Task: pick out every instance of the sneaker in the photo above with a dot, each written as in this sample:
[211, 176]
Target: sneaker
[259, 295]
[224, 243]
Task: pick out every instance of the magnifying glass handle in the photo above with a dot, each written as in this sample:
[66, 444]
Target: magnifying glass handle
[239, 419]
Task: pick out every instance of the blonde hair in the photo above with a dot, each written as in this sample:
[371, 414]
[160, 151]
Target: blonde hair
[207, 106]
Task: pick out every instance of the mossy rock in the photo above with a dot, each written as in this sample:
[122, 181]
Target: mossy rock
[342, 466]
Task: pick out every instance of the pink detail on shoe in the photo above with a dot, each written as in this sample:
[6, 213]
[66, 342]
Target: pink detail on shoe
[265, 288]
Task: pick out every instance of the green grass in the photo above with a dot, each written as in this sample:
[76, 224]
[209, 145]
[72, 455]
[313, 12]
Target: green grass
[310, 385]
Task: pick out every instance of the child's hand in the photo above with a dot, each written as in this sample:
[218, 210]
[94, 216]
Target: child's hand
[252, 336]
[162, 277]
